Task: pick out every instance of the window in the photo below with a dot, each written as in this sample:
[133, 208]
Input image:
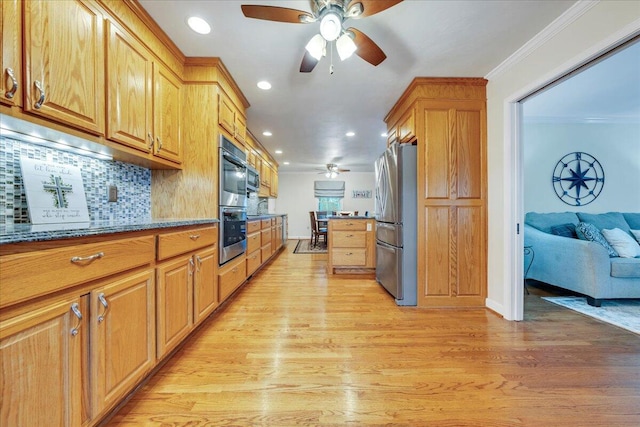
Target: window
[330, 204]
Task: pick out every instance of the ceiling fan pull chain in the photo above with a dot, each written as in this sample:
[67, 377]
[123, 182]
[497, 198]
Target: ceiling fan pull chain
[331, 58]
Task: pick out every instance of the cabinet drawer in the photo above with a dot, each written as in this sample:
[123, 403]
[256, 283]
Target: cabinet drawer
[278, 220]
[266, 236]
[172, 244]
[349, 256]
[266, 252]
[349, 224]
[253, 226]
[349, 239]
[231, 277]
[24, 276]
[266, 223]
[253, 242]
[253, 261]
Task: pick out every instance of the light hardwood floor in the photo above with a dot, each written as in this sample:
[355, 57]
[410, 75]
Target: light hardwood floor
[295, 347]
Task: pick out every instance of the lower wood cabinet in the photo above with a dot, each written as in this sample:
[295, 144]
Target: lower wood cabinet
[351, 245]
[205, 284]
[122, 337]
[231, 276]
[41, 369]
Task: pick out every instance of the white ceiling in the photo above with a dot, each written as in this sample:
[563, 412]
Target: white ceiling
[309, 114]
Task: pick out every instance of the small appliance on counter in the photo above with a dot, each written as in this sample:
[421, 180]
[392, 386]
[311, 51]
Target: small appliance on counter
[396, 222]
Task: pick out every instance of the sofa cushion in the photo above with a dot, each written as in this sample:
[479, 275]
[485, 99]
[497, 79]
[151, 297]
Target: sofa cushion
[565, 230]
[636, 234]
[590, 232]
[544, 221]
[633, 219]
[608, 220]
[625, 267]
[625, 245]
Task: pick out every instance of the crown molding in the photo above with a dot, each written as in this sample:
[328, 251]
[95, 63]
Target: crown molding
[567, 18]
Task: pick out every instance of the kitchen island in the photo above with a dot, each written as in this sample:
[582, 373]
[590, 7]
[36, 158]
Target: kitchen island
[351, 245]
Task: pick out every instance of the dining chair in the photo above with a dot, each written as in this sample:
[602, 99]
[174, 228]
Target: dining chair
[316, 229]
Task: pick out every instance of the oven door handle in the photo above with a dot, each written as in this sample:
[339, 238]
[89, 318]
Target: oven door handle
[233, 159]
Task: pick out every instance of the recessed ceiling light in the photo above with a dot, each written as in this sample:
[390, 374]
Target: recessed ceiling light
[199, 25]
[278, 151]
[267, 133]
[285, 163]
[350, 133]
[264, 85]
[384, 134]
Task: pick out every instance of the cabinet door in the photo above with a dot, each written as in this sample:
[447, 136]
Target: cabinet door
[226, 113]
[407, 127]
[240, 129]
[40, 362]
[174, 302]
[273, 187]
[129, 93]
[64, 58]
[205, 284]
[167, 114]
[11, 30]
[122, 337]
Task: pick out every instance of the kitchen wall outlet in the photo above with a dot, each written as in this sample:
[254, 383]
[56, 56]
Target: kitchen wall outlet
[113, 193]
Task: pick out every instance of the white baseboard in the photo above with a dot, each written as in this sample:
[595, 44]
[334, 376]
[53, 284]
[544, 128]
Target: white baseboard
[494, 306]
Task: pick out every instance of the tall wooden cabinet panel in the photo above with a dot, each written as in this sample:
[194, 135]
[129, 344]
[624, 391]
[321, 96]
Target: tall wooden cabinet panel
[167, 114]
[226, 113]
[123, 336]
[448, 117]
[64, 58]
[40, 362]
[205, 284]
[129, 91]
[11, 54]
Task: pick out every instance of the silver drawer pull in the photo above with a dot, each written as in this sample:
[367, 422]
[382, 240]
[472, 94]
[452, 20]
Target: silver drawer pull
[76, 310]
[14, 84]
[105, 304]
[349, 253]
[349, 235]
[40, 101]
[194, 237]
[77, 259]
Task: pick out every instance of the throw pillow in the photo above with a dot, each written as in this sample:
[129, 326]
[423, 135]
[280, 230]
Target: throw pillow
[590, 232]
[636, 234]
[624, 244]
[565, 230]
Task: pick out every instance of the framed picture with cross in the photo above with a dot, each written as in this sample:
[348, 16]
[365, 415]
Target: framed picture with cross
[55, 192]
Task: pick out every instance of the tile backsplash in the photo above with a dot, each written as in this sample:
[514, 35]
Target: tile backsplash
[133, 183]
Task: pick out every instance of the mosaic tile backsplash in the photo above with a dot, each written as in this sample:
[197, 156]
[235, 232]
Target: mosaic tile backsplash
[133, 183]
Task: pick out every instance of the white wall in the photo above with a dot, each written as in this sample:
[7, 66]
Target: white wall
[587, 30]
[615, 145]
[295, 197]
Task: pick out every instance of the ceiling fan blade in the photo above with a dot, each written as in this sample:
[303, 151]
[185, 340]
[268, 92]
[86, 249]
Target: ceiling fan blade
[279, 14]
[371, 7]
[308, 63]
[367, 49]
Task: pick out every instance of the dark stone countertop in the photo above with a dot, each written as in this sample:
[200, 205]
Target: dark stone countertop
[19, 233]
[263, 216]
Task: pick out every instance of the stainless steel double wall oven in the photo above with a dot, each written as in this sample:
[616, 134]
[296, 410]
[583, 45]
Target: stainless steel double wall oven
[232, 200]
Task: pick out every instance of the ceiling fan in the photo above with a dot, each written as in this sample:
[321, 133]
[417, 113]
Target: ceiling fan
[331, 14]
[332, 170]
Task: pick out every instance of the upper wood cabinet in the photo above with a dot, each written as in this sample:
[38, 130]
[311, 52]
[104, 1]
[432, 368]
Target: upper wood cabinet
[407, 127]
[226, 113]
[143, 98]
[11, 53]
[240, 128]
[64, 59]
[273, 184]
[40, 361]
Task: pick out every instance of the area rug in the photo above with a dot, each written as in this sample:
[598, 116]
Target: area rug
[624, 313]
[305, 247]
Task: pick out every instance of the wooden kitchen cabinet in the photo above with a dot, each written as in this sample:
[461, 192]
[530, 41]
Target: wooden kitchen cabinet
[407, 127]
[226, 113]
[11, 54]
[254, 243]
[205, 284]
[240, 128]
[351, 245]
[64, 60]
[273, 183]
[231, 276]
[41, 368]
[123, 337]
[143, 98]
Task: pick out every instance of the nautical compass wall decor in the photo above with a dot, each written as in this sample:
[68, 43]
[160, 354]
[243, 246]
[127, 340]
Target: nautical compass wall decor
[578, 179]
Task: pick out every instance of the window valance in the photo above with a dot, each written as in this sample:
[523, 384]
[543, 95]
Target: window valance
[328, 189]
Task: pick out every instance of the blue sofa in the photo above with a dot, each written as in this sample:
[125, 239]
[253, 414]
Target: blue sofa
[579, 265]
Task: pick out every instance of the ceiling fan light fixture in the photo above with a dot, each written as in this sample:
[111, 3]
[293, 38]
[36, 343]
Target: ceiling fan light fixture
[355, 10]
[331, 26]
[316, 46]
[345, 46]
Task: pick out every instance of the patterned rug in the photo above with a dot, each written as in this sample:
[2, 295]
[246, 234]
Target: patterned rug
[304, 247]
[624, 313]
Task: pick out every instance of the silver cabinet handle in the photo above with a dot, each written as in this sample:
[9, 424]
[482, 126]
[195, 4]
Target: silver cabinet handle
[191, 266]
[79, 259]
[349, 235]
[76, 310]
[14, 84]
[159, 143]
[105, 304]
[40, 101]
[199, 262]
[150, 140]
[194, 237]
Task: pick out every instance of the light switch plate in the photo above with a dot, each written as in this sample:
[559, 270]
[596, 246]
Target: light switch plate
[113, 193]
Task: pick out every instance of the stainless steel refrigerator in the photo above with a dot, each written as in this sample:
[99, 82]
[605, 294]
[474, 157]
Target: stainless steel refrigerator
[396, 222]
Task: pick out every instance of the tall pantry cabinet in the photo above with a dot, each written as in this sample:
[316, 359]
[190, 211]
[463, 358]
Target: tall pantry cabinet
[449, 127]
